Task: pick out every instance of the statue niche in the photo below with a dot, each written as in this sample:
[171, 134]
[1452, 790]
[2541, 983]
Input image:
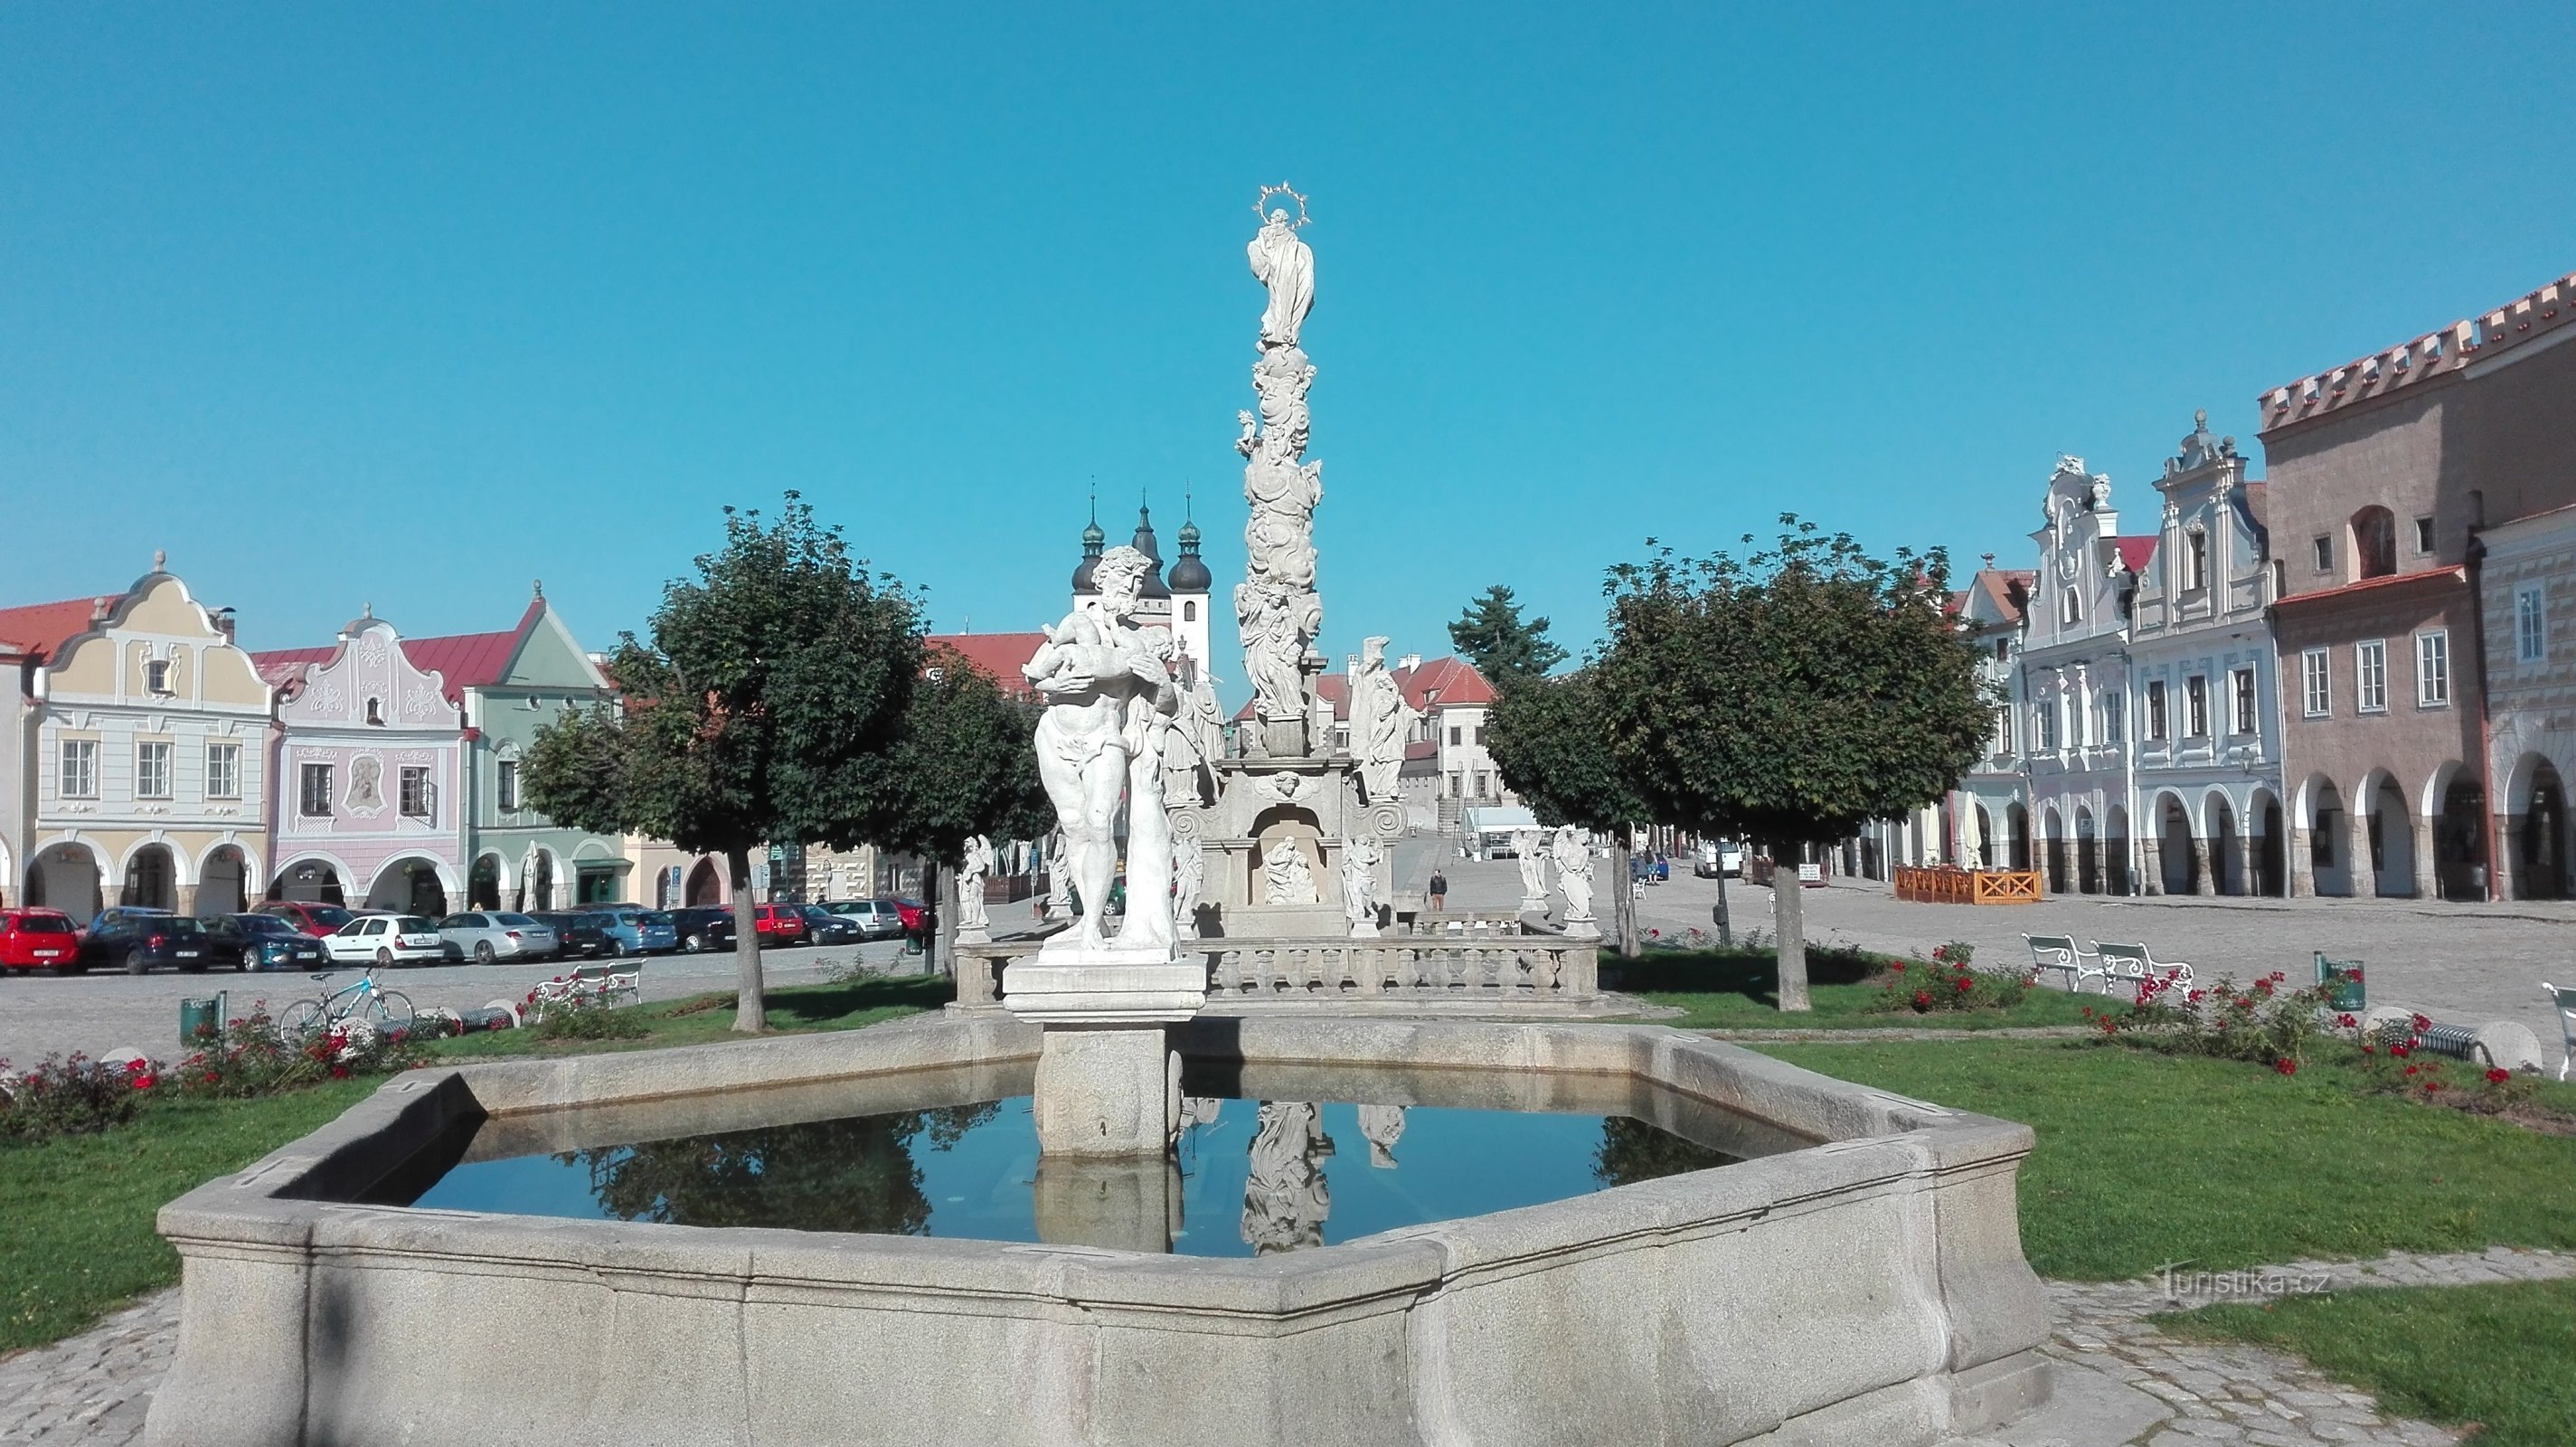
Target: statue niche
[1302, 831]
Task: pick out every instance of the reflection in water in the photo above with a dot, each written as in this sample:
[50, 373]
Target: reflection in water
[1130, 1204]
[1383, 1125]
[855, 1174]
[1285, 1198]
[1633, 1151]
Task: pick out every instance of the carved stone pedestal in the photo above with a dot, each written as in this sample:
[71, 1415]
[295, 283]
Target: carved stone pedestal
[1108, 1084]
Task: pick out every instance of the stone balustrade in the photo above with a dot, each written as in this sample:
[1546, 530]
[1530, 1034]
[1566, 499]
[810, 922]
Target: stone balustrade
[1491, 973]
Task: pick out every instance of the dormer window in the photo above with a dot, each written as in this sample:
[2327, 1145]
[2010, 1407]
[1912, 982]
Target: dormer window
[2195, 561]
[156, 676]
[376, 712]
[2070, 607]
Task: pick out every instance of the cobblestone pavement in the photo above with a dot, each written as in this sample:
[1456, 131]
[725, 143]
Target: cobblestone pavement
[2456, 962]
[92, 1390]
[100, 1012]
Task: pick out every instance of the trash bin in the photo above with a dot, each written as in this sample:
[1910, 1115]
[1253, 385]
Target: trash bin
[205, 1012]
[2343, 977]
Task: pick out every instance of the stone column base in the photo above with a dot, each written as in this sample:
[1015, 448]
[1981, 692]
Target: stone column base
[1106, 1093]
[1120, 1205]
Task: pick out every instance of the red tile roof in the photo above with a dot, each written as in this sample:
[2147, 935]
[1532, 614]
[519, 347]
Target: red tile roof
[2136, 552]
[2009, 588]
[461, 660]
[1335, 688]
[1444, 681]
[2454, 573]
[997, 656]
[38, 629]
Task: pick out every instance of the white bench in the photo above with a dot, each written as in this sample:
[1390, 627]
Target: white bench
[2058, 953]
[2565, 1000]
[2136, 963]
[620, 982]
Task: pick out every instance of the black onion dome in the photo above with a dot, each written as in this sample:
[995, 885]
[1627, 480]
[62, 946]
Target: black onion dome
[1189, 575]
[1093, 539]
[1144, 543]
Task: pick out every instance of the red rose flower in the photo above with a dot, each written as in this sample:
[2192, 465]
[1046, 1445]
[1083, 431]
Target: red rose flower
[2286, 1066]
[2346, 1021]
[2498, 1077]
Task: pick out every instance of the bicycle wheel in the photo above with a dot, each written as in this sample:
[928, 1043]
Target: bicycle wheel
[389, 1010]
[300, 1019]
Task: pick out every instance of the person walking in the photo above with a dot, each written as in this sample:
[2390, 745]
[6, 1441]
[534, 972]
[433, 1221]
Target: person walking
[1439, 891]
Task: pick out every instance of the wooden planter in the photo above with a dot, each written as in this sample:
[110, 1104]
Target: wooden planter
[1945, 885]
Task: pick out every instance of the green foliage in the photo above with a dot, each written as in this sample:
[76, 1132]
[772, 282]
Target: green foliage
[766, 709]
[1633, 1151]
[1505, 649]
[853, 1174]
[71, 1096]
[963, 766]
[2501, 1355]
[1792, 695]
[1551, 739]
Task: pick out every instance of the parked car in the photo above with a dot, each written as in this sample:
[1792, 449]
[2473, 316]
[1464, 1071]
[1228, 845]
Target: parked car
[578, 933]
[316, 920]
[635, 930]
[488, 937]
[877, 919]
[39, 939]
[912, 910]
[387, 939]
[266, 942]
[826, 928]
[138, 939]
[781, 924]
[703, 928]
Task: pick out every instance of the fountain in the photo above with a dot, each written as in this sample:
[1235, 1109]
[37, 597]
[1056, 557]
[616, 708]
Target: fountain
[1086, 1207]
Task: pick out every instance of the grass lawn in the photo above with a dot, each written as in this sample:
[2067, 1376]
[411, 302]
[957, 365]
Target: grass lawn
[2145, 1158]
[76, 1238]
[2503, 1356]
[1740, 990]
[796, 1009]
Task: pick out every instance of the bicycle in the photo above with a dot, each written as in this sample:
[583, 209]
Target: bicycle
[365, 1000]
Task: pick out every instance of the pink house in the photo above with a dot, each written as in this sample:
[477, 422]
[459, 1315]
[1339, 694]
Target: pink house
[368, 775]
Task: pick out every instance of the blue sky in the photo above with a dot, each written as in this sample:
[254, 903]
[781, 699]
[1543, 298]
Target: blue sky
[410, 305]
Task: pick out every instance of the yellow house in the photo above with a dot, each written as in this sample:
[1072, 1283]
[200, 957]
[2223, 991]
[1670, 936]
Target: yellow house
[146, 737]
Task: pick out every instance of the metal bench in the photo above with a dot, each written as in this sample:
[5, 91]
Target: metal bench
[2565, 1000]
[2136, 964]
[611, 982]
[2058, 953]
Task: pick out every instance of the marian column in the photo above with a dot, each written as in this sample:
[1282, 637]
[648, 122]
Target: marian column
[1276, 603]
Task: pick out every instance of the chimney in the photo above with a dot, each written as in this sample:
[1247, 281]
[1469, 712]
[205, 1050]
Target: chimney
[224, 623]
[1410, 660]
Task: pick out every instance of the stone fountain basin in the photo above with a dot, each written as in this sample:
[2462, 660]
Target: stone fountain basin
[1869, 1288]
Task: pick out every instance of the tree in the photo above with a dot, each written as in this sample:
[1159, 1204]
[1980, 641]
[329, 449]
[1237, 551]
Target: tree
[767, 709]
[1790, 696]
[966, 765]
[1504, 649]
[1551, 739]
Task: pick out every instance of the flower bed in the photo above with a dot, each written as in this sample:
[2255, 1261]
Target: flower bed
[1949, 983]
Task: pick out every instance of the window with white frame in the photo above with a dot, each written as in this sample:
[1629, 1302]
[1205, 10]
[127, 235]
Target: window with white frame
[79, 775]
[2316, 683]
[313, 791]
[2156, 711]
[2195, 707]
[2423, 535]
[2003, 732]
[413, 795]
[2433, 668]
[2115, 709]
[2370, 675]
[2043, 723]
[2240, 692]
[156, 675]
[152, 771]
[2530, 624]
[508, 788]
[223, 771]
[2195, 561]
[2070, 607]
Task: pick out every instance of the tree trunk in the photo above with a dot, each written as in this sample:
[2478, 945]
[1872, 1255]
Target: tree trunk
[943, 936]
[1787, 899]
[1723, 917]
[751, 1007]
[1623, 897]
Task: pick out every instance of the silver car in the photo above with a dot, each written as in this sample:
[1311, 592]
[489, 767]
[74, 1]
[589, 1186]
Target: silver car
[488, 937]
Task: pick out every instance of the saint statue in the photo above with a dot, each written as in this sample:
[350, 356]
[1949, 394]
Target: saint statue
[1529, 848]
[1272, 651]
[1285, 1197]
[1109, 700]
[972, 920]
[1287, 266]
[1573, 854]
[1360, 859]
[1286, 878]
[1378, 722]
[1189, 878]
[1383, 1125]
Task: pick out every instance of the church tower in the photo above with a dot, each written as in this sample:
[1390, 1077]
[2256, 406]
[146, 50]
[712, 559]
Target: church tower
[1189, 588]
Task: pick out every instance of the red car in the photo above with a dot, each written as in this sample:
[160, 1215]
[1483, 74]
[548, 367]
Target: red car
[911, 910]
[39, 939]
[780, 924]
[316, 920]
